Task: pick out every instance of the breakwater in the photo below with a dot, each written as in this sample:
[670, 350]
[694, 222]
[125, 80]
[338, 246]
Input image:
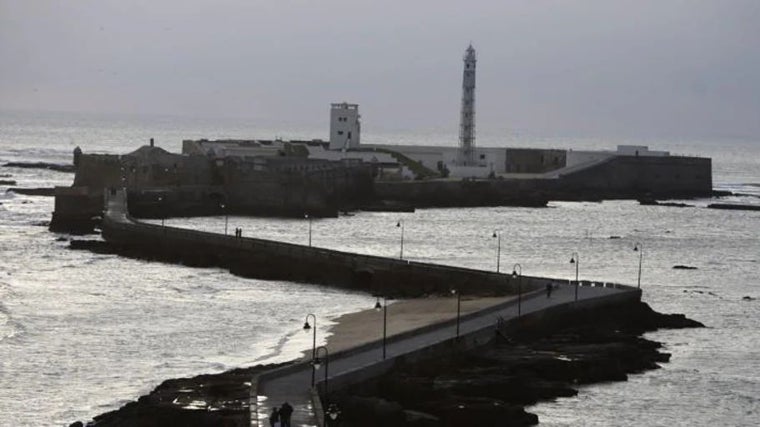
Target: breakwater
[267, 259]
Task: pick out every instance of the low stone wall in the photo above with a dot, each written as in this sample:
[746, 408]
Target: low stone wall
[266, 259]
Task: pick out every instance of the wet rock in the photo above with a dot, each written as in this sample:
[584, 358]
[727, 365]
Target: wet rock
[732, 206]
[7, 182]
[421, 419]
[47, 192]
[41, 165]
[371, 412]
[491, 385]
[683, 267]
[748, 298]
[95, 246]
[225, 395]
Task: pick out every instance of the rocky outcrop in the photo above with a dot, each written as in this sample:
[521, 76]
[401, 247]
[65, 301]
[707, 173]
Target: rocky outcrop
[201, 401]
[733, 206]
[491, 386]
[42, 191]
[41, 165]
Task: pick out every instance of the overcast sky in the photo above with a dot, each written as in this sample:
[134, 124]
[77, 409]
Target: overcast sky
[609, 67]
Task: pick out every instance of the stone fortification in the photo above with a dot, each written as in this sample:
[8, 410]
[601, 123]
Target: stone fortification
[160, 183]
[614, 177]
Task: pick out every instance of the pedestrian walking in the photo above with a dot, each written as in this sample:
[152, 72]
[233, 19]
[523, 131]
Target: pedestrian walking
[274, 418]
[549, 290]
[285, 412]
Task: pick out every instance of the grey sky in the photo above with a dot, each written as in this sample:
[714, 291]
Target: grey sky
[608, 67]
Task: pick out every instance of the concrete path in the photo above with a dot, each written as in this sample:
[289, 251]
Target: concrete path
[294, 386]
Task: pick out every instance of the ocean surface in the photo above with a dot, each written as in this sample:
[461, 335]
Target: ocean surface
[81, 333]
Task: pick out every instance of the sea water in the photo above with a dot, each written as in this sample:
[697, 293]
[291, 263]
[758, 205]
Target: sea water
[83, 333]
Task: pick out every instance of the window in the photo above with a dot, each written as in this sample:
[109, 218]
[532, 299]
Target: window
[340, 132]
[482, 157]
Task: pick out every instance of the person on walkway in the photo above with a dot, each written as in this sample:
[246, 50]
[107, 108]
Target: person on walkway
[285, 412]
[274, 418]
[549, 290]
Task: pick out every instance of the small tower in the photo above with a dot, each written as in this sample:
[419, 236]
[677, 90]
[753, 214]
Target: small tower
[467, 119]
[345, 127]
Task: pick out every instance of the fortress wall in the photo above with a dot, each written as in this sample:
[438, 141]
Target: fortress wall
[656, 175]
[448, 193]
[98, 171]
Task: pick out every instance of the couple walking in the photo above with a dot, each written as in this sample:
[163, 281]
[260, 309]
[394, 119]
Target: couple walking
[280, 417]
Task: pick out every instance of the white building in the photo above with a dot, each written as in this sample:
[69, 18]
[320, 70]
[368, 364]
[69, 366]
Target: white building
[345, 127]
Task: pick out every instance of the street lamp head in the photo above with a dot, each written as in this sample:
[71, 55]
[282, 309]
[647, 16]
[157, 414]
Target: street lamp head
[453, 292]
[572, 260]
[636, 248]
[514, 273]
[494, 234]
[398, 224]
[317, 362]
[306, 216]
[333, 412]
[306, 326]
[378, 306]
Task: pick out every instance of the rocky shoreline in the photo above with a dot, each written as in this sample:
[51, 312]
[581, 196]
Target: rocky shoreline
[201, 401]
[491, 386]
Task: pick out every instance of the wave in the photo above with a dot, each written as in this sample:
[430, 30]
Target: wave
[277, 349]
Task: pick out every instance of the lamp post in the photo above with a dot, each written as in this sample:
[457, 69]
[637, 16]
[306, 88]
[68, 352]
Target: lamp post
[226, 218]
[400, 224]
[517, 272]
[497, 235]
[308, 218]
[306, 328]
[576, 259]
[640, 249]
[161, 202]
[384, 306]
[317, 362]
[459, 307]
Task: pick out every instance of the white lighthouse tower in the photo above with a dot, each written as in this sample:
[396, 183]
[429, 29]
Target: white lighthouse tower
[467, 119]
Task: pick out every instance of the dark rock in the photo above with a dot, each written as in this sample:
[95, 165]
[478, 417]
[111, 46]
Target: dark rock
[490, 385]
[7, 182]
[41, 165]
[95, 246]
[748, 298]
[61, 239]
[76, 424]
[226, 396]
[420, 419]
[653, 202]
[48, 192]
[732, 206]
[683, 267]
[370, 412]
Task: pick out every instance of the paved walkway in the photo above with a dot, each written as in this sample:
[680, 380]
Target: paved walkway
[295, 386]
